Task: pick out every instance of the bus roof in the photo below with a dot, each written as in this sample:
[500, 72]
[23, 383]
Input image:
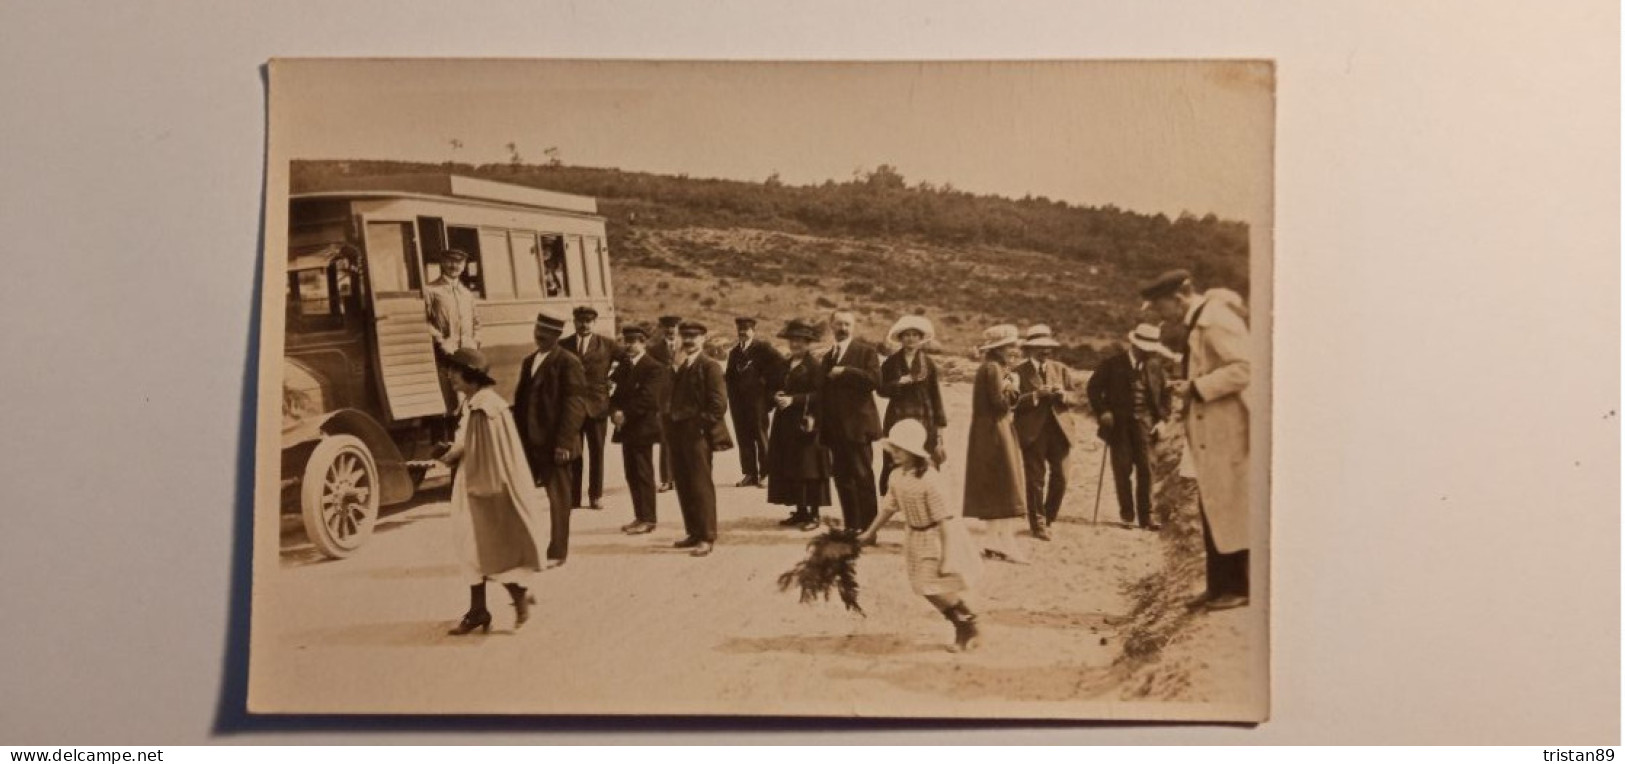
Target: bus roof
[447, 185]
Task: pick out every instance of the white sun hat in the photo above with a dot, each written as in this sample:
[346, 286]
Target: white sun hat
[909, 435]
[1148, 337]
[920, 324]
[1040, 336]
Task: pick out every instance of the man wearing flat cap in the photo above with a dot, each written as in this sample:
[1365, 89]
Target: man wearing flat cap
[695, 430]
[1218, 400]
[597, 354]
[1044, 426]
[450, 305]
[549, 406]
[1128, 394]
[755, 370]
[666, 347]
[634, 409]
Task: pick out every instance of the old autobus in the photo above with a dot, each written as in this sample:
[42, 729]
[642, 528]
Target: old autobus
[363, 401]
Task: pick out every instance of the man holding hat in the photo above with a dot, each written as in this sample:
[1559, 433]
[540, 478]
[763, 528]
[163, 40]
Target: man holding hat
[450, 305]
[1128, 395]
[1216, 391]
[666, 348]
[640, 385]
[694, 428]
[755, 369]
[597, 353]
[549, 406]
[1044, 425]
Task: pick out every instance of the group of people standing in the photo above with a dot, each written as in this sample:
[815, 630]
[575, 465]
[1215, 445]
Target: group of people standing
[807, 421]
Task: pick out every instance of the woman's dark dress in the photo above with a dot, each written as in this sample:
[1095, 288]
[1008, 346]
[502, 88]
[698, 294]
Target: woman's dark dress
[797, 467]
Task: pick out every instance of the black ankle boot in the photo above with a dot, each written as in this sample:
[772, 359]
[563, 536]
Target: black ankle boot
[477, 616]
[966, 636]
[522, 600]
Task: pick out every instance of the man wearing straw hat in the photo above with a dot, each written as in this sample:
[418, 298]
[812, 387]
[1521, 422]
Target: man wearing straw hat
[1127, 394]
[549, 405]
[1216, 389]
[1044, 424]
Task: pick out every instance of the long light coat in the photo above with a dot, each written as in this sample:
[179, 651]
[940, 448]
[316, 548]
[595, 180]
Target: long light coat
[1216, 424]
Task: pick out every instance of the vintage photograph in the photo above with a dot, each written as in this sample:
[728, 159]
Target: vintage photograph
[904, 389]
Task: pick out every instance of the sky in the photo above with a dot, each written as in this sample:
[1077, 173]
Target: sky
[1152, 137]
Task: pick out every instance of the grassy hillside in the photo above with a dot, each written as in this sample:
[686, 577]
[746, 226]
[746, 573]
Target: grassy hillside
[713, 249]
[715, 274]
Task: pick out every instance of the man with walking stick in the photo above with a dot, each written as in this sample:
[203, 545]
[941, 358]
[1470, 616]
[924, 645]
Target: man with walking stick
[1127, 394]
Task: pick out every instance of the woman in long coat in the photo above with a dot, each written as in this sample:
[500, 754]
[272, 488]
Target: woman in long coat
[493, 513]
[797, 466]
[995, 488]
[909, 382]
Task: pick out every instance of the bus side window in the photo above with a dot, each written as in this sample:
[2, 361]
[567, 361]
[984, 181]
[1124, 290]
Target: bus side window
[555, 280]
[432, 233]
[498, 271]
[582, 285]
[392, 258]
[527, 278]
[600, 259]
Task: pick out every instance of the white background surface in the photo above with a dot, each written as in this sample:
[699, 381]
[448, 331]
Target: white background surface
[1446, 500]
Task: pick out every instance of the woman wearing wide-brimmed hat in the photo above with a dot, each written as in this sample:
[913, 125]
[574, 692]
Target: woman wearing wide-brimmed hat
[942, 561]
[995, 490]
[909, 382]
[797, 465]
[494, 516]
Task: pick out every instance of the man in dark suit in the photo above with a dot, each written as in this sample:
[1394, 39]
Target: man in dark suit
[597, 353]
[850, 423]
[639, 386]
[1044, 426]
[1128, 395]
[549, 406]
[755, 371]
[666, 348]
[694, 427]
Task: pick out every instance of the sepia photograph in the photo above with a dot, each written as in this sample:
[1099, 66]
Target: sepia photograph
[883, 389]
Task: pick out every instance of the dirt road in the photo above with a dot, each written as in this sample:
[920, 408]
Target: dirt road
[631, 625]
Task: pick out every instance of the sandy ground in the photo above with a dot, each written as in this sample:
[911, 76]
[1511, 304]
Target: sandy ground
[631, 625]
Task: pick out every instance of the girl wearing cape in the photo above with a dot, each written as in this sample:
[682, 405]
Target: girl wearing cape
[493, 508]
